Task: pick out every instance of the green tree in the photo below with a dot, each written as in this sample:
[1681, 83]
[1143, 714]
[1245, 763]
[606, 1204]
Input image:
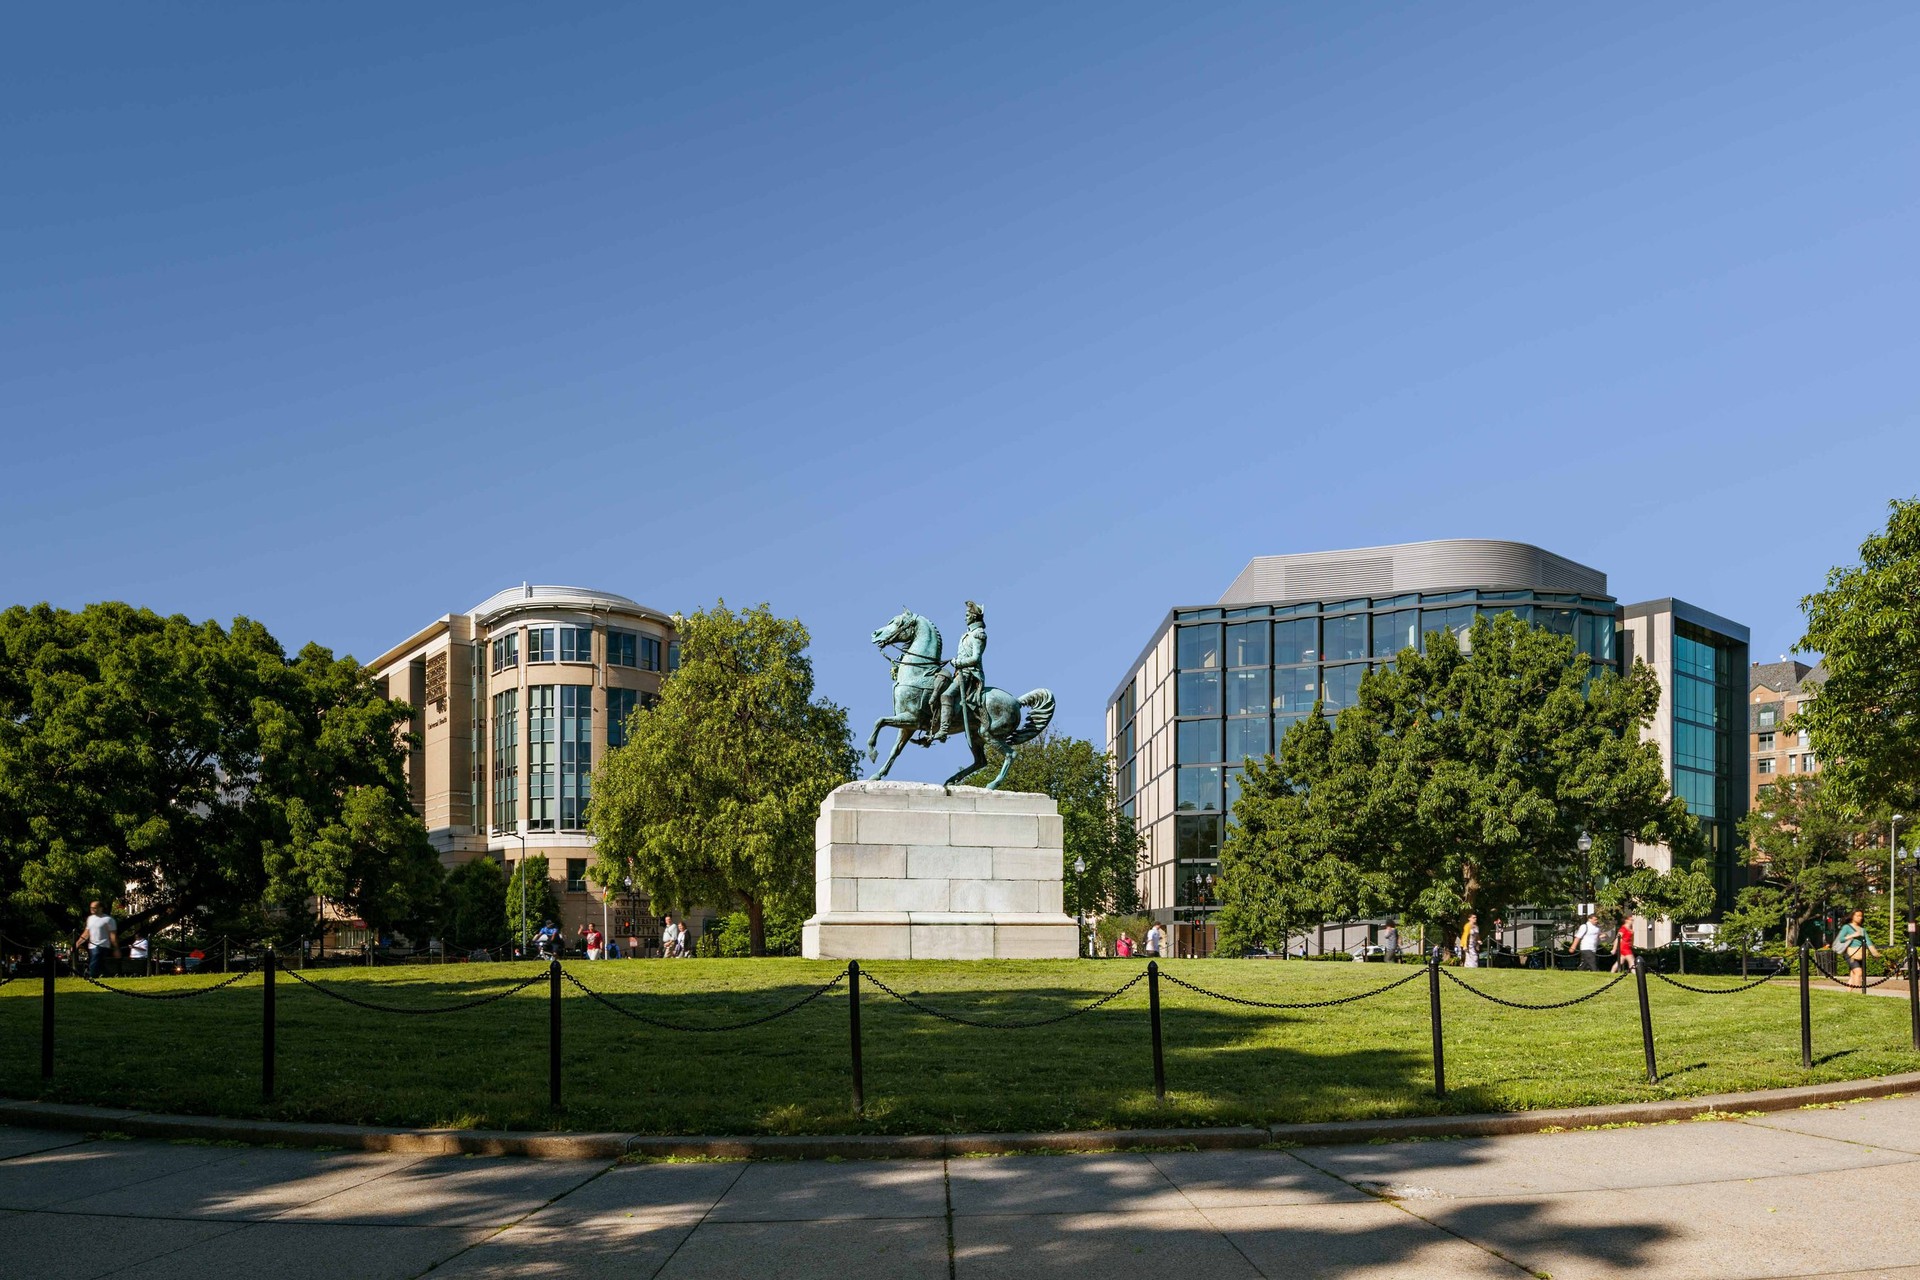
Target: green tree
[1865, 725]
[471, 905]
[1810, 851]
[1679, 895]
[1080, 778]
[713, 797]
[196, 772]
[525, 916]
[1460, 781]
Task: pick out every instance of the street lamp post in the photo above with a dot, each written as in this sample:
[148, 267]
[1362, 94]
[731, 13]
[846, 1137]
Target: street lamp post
[1080, 899]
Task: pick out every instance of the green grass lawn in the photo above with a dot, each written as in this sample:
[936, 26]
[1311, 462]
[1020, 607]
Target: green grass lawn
[1226, 1064]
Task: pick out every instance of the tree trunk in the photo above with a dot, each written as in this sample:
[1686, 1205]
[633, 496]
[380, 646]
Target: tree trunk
[756, 927]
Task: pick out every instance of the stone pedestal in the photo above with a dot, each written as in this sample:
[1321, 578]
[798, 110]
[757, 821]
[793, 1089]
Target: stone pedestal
[913, 871]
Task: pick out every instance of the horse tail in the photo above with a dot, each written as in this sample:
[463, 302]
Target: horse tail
[1039, 705]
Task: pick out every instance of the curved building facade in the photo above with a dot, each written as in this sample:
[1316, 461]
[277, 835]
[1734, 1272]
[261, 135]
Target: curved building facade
[515, 701]
[1219, 683]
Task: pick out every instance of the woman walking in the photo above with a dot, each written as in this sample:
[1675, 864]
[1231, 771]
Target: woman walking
[1623, 960]
[1852, 943]
[1470, 941]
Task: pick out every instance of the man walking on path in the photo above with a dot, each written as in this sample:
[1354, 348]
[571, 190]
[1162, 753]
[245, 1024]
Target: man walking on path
[1156, 938]
[1588, 942]
[1852, 943]
[101, 938]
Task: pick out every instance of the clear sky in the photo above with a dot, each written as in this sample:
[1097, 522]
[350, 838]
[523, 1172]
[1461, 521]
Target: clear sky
[344, 317]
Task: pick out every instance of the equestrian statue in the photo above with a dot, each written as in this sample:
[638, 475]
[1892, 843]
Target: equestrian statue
[931, 702]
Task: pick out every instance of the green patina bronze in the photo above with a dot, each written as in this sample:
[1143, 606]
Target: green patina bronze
[931, 702]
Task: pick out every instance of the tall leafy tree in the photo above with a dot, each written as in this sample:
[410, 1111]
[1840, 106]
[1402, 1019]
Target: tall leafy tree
[1080, 777]
[1810, 850]
[196, 774]
[471, 905]
[525, 915]
[1865, 725]
[714, 795]
[1460, 781]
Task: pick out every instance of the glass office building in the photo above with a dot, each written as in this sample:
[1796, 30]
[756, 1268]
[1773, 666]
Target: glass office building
[1220, 683]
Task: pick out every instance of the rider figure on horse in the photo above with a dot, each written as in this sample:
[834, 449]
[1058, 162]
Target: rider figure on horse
[968, 677]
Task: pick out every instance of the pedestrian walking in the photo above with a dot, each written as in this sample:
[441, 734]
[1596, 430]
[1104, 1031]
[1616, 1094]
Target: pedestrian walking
[1156, 939]
[1852, 944]
[1587, 942]
[669, 939]
[1390, 942]
[1123, 945]
[595, 943]
[100, 938]
[1470, 941]
[1623, 948]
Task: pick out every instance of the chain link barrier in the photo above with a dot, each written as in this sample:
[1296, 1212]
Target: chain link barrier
[163, 995]
[1521, 1004]
[664, 1025]
[1786, 971]
[1827, 972]
[1419, 972]
[1025, 1025]
[377, 1007]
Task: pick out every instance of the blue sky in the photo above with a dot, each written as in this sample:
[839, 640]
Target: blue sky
[346, 317]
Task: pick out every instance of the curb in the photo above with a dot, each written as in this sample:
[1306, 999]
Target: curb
[612, 1146]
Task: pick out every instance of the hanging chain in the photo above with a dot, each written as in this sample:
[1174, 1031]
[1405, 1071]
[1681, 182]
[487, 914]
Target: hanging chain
[1521, 1004]
[1293, 1004]
[392, 1008]
[163, 995]
[1026, 1025]
[664, 1025]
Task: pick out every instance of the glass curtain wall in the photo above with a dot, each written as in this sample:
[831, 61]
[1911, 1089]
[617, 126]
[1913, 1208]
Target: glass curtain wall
[1709, 743]
[506, 762]
[576, 754]
[1244, 675]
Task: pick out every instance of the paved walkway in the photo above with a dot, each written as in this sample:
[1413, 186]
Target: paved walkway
[1832, 1192]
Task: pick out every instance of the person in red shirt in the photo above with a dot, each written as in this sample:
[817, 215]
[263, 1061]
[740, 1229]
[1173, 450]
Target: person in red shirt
[1624, 959]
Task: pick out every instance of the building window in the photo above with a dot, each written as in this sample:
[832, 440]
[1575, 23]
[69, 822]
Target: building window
[1199, 742]
[506, 651]
[1806, 739]
[673, 655]
[1343, 685]
[1198, 789]
[1247, 737]
[576, 875]
[1807, 763]
[1247, 692]
[1199, 693]
[623, 649]
[540, 738]
[539, 644]
[506, 761]
[1763, 765]
[1393, 632]
[1297, 641]
[620, 703]
[576, 644]
[1199, 648]
[1296, 689]
[576, 754]
[1769, 716]
[649, 654]
[1346, 638]
[1247, 644]
[1764, 743]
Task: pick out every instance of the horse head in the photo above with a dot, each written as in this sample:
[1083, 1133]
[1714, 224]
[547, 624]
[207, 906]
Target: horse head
[898, 631]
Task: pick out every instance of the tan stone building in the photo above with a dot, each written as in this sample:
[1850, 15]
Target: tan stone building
[515, 701]
[1776, 692]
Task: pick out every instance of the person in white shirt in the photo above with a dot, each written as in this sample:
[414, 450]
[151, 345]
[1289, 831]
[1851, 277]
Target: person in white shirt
[1156, 937]
[1588, 942]
[669, 939]
[102, 939]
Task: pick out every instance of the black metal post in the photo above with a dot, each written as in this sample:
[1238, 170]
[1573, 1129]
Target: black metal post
[1433, 1007]
[1646, 1024]
[1913, 975]
[266, 1028]
[46, 1015]
[853, 1029]
[1153, 1012]
[1806, 1010]
[553, 1034]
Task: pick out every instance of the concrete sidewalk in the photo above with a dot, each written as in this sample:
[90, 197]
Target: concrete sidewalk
[1833, 1192]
